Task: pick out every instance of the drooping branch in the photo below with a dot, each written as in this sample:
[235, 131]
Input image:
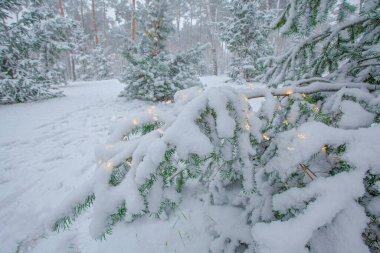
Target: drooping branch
[311, 89]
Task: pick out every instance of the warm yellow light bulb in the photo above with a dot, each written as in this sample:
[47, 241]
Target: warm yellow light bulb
[266, 137]
[291, 149]
[315, 109]
[301, 136]
[285, 122]
[289, 92]
[324, 149]
[247, 126]
[135, 122]
[109, 165]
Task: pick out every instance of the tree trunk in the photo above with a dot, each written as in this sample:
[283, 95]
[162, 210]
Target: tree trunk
[212, 33]
[82, 12]
[73, 68]
[62, 12]
[191, 23]
[94, 24]
[105, 28]
[133, 29]
[178, 19]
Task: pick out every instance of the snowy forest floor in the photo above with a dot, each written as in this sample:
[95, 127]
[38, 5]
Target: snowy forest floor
[47, 152]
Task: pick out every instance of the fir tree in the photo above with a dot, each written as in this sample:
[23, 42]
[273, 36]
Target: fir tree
[30, 50]
[153, 74]
[339, 42]
[246, 34]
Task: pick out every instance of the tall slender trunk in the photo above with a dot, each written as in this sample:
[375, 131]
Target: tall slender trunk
[62, 12]
[105, 21]
[212, 33]
[178, 19]
[94, 23]
[133, 29]
[82, 12]
[73, 68]
[191, 23]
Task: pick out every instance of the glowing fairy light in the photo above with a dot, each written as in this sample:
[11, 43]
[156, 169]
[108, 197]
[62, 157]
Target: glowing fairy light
[304, 95]
[324, 149]
[266, 137]
[285, 122]
[151, 110]
[301, 136]
[245, 98]
[289, 92]
[315, 109]
[291, 149]
[247, 126]
[129, 163]
[135, 122]
[109, 165]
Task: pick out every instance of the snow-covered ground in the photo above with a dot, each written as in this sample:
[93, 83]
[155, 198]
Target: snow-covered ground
[47, 152]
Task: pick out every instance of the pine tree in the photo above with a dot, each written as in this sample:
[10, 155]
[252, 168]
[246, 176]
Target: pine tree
[246, 34]
[31, 48]
[153, 74]
[338, 42]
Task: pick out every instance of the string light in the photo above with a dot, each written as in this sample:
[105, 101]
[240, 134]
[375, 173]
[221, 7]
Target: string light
[315, 109]
[266, 137]
[301, 136]
[304, 95]
[285, 122]
[135, 122]
[245, 98]
[151, 110]
[247, 126]
[109, 165]
[129, 163]
[289, 92]
[291, 149]
[184, 97]
[324, 149]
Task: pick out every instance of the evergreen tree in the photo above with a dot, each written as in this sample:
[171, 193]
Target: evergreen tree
[246, 34]
[30, 51]
[153, 74]
[338, 42]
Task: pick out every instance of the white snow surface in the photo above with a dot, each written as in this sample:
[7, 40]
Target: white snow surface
[47, 152]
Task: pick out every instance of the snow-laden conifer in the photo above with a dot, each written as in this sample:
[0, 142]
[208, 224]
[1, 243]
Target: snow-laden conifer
[246, 33]
[152, 73]
[30, 50]
[336, 41]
